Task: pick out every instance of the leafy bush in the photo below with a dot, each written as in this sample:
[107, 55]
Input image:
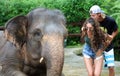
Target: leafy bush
[11, 8]
[117, 47]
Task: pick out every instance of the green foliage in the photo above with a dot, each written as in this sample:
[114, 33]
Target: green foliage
[74, 11]
[73, 29]
[117, 47]
[11, 8]
[116, 12]
[73, 40]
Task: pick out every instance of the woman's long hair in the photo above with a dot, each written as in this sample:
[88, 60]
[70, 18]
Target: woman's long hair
[98, 38]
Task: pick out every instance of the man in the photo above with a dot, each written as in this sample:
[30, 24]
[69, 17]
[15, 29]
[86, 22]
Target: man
[110, 26]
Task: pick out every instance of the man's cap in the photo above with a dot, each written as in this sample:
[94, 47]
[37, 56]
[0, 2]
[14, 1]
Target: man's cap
[95, 9]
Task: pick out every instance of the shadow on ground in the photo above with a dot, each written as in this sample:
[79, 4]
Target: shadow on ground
[74, 64]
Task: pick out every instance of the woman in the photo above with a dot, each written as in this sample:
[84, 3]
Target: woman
[95, 43]
[110, 26]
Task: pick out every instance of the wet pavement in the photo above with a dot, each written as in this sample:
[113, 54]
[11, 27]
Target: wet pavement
[74, 64]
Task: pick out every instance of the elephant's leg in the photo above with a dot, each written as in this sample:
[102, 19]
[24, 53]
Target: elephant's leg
[18, 73]
[12, 73]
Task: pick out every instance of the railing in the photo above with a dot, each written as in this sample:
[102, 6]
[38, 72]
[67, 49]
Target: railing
[2, 27]
[71, 35]
[74, 35]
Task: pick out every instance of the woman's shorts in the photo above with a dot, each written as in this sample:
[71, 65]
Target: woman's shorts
[88, 52]
[109, 58]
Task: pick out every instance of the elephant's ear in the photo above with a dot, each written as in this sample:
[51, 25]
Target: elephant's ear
[16, 30]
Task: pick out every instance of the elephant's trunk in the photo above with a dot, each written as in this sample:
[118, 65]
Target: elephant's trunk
[54, 54]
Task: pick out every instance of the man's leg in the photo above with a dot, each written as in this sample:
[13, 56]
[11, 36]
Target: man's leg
[111, 71]
[109, 57]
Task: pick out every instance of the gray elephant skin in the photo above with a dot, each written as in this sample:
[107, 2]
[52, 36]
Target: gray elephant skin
[32, 45]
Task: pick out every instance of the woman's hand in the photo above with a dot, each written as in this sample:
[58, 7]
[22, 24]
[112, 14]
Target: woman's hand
[99, 52]
[83, 29]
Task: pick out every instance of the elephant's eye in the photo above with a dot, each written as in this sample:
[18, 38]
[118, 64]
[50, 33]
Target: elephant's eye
[37, 33]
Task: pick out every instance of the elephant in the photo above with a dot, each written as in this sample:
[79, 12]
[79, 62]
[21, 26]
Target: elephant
[32, 44]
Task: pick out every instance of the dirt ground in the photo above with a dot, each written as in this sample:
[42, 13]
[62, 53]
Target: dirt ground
[74, 65]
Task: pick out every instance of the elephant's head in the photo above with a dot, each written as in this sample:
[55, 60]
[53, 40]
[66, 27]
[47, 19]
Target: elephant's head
[41, 32]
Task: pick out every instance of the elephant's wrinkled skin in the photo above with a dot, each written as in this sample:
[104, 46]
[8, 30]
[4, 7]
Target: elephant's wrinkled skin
[33, 43]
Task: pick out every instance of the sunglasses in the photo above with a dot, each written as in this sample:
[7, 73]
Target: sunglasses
[87, 28]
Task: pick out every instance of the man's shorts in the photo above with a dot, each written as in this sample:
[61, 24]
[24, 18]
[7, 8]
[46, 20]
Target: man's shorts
[109, 58]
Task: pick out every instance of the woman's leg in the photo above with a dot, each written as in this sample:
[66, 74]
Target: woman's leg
[98, 63]
[89, 65]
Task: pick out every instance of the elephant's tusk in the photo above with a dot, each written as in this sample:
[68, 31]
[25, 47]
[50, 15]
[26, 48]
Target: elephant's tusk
[0, 67]
[41, 59]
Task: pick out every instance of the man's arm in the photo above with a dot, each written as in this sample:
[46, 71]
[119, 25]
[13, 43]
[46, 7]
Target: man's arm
[113, 35]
